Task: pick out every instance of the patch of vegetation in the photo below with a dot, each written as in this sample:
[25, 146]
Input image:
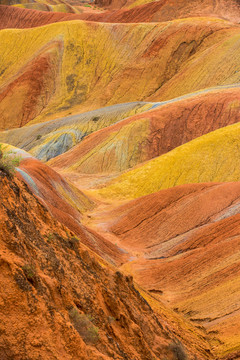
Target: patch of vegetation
[30, 273]
[96, 118]
[87, 5]
[178, 351]
[21, 281]
[84, 326]
[70, 80]
[73, 242]
[50, 237]
[8, 161]
[39, 137]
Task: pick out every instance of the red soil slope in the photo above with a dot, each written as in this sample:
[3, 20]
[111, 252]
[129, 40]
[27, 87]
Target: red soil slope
[165, 10]
[185, 243]
[66, 203]
[59, 301]
[169, 126]
[12, 17]
[147, 223]
[32, 88]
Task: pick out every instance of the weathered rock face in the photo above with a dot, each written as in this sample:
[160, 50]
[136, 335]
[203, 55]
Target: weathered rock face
[58, 300]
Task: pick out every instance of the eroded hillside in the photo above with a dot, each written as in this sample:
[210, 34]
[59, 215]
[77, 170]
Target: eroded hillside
[59, 300]
[119, 226]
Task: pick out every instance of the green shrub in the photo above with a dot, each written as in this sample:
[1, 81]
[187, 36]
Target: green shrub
[30, 272]
[84, 326]
[8, 161]
[49, 237]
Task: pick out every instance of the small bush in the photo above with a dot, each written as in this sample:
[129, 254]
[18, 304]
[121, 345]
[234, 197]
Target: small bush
[84, 327]
[178, 351]
[96, 118]
[8, 161]
[73, 242]
[30, 273]
[50, 237]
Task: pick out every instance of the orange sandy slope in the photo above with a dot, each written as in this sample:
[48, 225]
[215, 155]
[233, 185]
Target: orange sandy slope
[59, 300]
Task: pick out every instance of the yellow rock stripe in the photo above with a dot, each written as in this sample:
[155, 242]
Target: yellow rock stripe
[214, 157]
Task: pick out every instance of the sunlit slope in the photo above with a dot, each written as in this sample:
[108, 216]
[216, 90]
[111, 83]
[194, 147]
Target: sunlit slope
[204, 70]
[49, 139]
[173, 9]
[30, 15]
[57, 193]
[46, 6]
[154, 11]
[20, 16]
[32, 87]
[49, 278]
[42, 5]
[209, 158]
[65, 202]
[156, 224]
[185, 243]
[129, 61]
[168, 10]
[152, 133]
